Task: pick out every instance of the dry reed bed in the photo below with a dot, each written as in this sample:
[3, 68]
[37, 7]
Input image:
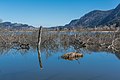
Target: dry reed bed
[94, 41]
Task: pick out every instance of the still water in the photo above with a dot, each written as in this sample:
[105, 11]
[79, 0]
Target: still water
[24, 65]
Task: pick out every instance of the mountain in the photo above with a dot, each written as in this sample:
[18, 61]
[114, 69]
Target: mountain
[97, 18]
[113, 17]
[9, 25]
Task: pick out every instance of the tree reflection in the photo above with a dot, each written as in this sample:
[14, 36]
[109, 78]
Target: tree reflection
[117, 55]
[52, 43]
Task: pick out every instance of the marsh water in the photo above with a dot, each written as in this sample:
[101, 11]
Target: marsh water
[97, 62]
[25, 65]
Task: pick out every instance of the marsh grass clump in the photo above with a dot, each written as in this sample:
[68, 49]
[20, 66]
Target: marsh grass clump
[116, 44]
[72, 56]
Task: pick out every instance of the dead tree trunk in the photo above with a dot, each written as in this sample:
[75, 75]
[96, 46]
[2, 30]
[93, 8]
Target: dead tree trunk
[38, 47]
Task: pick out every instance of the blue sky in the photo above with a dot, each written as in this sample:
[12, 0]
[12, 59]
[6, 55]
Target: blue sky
[50, 12]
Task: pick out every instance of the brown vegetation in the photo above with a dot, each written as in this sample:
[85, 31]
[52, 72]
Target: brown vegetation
[53, 40]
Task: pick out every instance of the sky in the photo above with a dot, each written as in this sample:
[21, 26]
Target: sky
[49, 13]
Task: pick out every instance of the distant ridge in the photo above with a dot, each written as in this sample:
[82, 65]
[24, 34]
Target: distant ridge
[9, 25]
[97, 18]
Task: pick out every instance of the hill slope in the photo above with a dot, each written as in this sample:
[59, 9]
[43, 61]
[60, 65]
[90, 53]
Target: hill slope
[97, 18]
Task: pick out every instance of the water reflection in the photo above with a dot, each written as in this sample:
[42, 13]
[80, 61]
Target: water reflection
[118, 55]
[52, 46]
[40, 60]
[55, 69]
